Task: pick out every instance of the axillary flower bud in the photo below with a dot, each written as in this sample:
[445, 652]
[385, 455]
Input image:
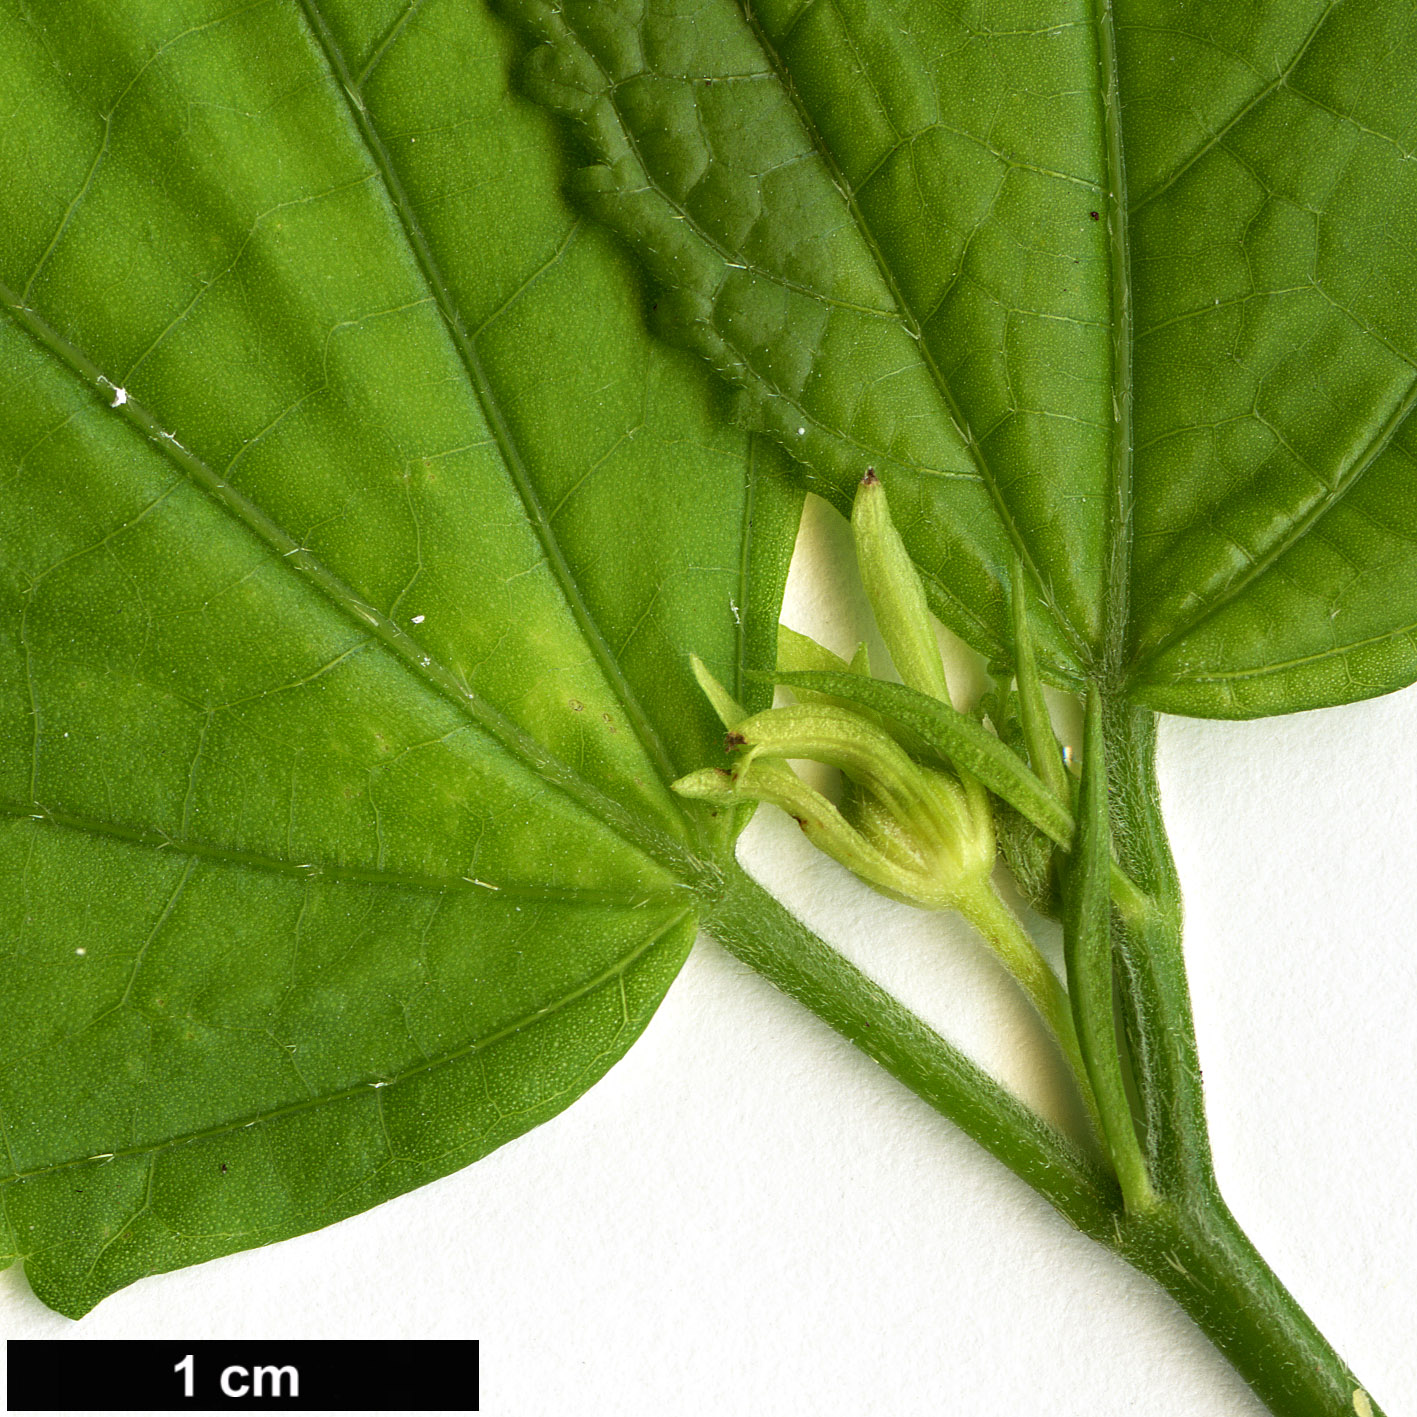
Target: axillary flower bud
[915, 833]
[920, 834]
[893, 587]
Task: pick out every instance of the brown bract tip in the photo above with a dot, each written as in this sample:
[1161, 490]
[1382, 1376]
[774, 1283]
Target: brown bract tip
[870, 480]
[733, 740]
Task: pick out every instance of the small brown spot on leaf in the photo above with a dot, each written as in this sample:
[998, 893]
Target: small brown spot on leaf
[577, 706]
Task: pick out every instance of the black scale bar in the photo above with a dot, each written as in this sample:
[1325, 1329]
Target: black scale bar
[113, 1375]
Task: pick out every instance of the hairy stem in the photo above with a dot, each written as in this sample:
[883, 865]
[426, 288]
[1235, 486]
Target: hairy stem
[1011, 943]
[1190, 1243]
[1199, 1254]
[766, 936]
[1156, 1001]
[1087, 948]
[1185, 1238]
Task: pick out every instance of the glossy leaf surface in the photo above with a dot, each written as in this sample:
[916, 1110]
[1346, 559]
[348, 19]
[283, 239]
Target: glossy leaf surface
[1126, 287]
[353, 537]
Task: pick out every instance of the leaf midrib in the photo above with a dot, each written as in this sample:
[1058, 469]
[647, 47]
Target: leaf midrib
[910, 319]
[1117, 592]
[520, 744]
[321, 872]
[465, 344]
[745, 557]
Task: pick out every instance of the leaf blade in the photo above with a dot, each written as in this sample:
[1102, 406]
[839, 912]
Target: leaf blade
[718, 281]
[1239, 532]
[298, 1160]
[1273, 535]
[340, 765]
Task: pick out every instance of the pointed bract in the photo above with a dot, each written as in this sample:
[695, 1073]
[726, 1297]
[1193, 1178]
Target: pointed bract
[894, 590]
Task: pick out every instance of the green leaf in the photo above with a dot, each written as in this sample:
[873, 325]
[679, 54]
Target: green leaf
[353, 540]
[1127, 289]
[354, 537]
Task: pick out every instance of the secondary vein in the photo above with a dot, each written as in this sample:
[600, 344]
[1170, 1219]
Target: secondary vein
[1257, 566]
[439, 677]
[328, 871]
[370, 1089]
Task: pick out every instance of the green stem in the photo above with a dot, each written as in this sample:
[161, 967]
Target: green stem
[764, 935]
[1016, 951]
[1156, 1001]
[1087, 944]
[1188, 1241]
[1202, 1258]
[1191, 1244]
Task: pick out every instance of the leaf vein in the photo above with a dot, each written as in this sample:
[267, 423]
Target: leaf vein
[1300, 527]
[908, 317]
[1215, 138]
[326, 871]
[573, 995]
[496, 418]
[520, 744]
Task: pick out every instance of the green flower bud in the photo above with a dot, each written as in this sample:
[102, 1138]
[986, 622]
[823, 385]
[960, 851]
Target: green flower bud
[895, 592]
[763, 780]
[797, 653]
[921, 835]
[842, 739]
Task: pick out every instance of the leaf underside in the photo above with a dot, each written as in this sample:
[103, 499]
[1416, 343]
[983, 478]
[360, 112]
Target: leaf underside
[353, 536]
[354, 531]
[1128, 288]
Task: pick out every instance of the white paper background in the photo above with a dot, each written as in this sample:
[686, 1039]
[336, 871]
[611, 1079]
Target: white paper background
[747, 1216]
